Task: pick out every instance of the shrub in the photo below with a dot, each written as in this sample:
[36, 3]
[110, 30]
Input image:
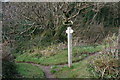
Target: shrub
[111, 43]
[8, 69]
[106, 67]
[8, 64]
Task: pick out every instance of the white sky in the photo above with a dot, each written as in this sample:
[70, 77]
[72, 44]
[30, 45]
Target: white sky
[5, 0]
[60, 0]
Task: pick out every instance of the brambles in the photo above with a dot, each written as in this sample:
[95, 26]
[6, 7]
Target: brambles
[106, 66]
[111, 43]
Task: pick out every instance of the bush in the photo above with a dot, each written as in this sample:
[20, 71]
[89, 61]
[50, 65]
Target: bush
[106, 67]
[8, 69]
[8, 64]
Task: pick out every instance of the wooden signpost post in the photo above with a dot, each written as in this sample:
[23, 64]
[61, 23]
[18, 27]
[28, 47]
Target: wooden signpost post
[69, 31]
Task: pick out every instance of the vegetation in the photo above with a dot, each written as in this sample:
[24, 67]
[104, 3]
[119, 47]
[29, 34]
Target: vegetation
[8, 69]
[97, 66]
[81, 69]
[8, 65]
[60, 56]
[45, 28]
[78, 70]
[106, 67]
[35, 32]
[29, 71]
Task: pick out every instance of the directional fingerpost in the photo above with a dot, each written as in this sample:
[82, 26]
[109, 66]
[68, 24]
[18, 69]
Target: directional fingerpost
[69, 31]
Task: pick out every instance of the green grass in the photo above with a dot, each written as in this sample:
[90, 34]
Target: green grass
[60, 56]
[78, 70]
[29, 71]
[81, 69]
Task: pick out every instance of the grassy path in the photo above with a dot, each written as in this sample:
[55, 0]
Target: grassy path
[60, 56]
[47, 69]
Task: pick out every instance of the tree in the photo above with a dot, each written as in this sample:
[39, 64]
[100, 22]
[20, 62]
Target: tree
[27, 20]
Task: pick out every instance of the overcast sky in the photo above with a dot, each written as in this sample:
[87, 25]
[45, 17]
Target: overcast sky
[5, 0]
[60, 0]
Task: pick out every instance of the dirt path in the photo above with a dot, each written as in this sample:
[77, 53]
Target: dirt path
[47, 69]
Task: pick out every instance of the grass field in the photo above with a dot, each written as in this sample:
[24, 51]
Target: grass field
[60, 56]
[85, 68]
[80, 69]
[29, 71]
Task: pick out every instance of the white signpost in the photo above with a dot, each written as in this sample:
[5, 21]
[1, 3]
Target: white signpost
[69, 31]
